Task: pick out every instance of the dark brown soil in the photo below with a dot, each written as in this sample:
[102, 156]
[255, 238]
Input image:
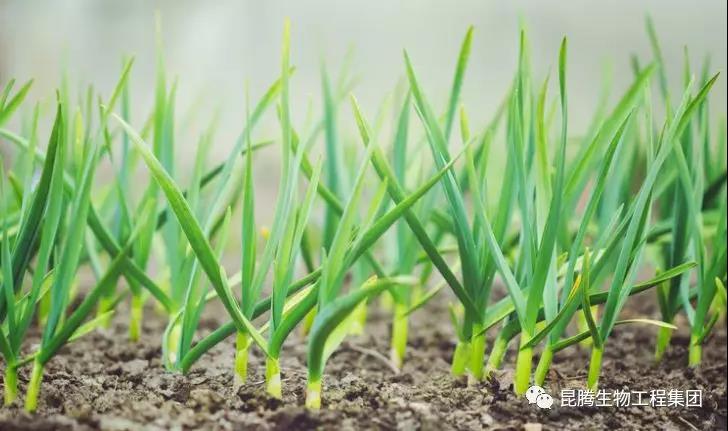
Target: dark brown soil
[104, 382]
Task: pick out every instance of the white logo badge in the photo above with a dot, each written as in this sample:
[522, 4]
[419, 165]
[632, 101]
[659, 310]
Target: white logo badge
[537, 395]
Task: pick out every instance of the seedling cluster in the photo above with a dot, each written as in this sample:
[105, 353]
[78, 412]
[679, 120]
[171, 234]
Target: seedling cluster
[569, 230]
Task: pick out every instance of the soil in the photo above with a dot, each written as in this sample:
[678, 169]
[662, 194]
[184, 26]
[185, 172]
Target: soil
[103, 381]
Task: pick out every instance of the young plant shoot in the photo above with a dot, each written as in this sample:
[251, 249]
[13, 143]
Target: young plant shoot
[540, 235]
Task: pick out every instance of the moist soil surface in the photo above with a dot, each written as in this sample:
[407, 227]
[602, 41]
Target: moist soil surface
[103, 381]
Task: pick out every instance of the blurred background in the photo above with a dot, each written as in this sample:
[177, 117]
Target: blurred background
[215, 47]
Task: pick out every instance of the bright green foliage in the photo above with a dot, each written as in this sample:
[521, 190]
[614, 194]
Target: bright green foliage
[561, 227]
